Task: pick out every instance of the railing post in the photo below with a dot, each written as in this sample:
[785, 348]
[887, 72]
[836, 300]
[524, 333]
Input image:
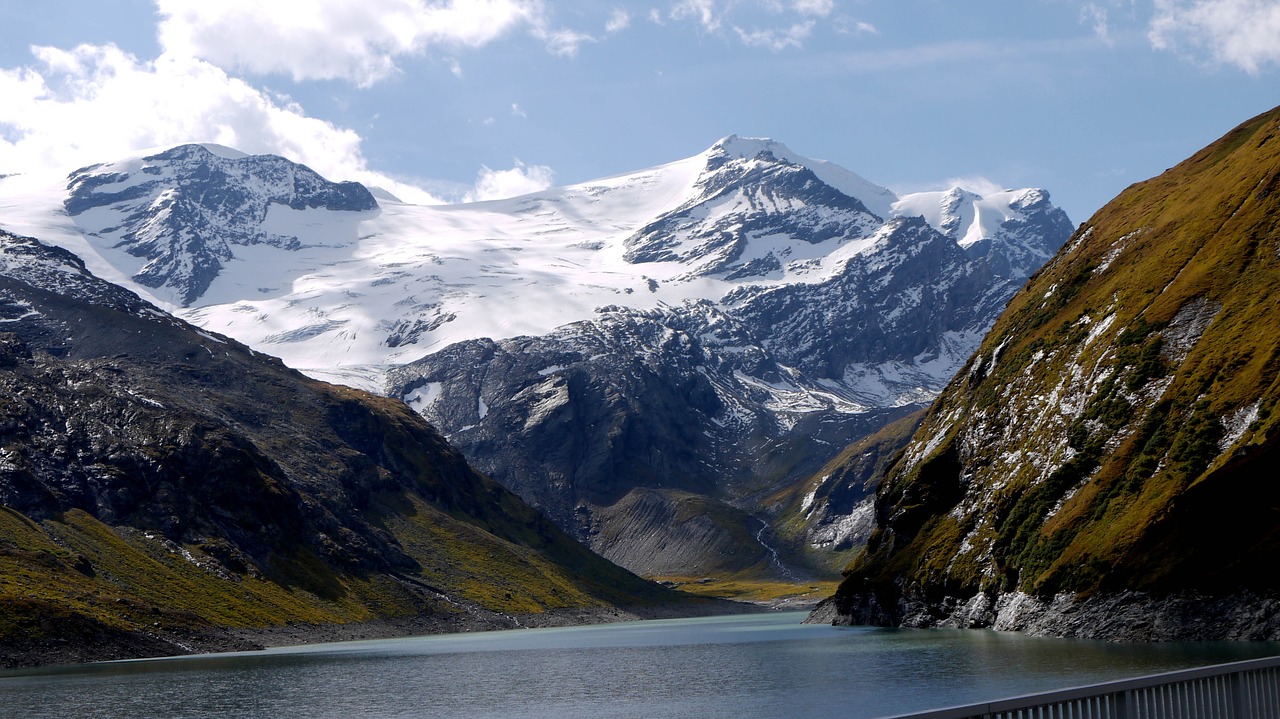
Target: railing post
[1239, 709]
[1122, 705]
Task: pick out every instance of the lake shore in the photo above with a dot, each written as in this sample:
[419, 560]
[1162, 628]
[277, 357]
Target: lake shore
[82, 644]
[477, 620]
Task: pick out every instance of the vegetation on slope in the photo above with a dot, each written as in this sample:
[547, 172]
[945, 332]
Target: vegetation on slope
[1117, 428]
[158, 484]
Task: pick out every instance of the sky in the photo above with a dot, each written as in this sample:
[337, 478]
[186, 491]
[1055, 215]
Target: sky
[456, 100]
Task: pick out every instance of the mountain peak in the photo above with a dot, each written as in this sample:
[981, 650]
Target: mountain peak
[749, 148]
[183, 209]
[877, 199]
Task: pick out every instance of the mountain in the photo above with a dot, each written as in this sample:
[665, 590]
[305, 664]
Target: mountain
[1103, 466]
[183, 210]
[163, 488]
[717, 326]
[609, 424]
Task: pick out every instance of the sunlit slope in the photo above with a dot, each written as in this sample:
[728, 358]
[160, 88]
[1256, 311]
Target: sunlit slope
[1115, 431]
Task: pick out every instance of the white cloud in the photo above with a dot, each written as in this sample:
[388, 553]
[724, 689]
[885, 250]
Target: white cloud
[618, 21]
[518, 111]
[851, 26]
[134, 105]
[821, 8]
[1244, 33]
[703, 11]
[354, 40]
[1096, 16]
[501, 184]
[777, 40]
[562, 42]
[770, 26]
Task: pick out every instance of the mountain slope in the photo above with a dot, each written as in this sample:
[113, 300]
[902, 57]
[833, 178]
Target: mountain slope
[160, 485]
[719, 325]
[830, 515]
[1104, 464]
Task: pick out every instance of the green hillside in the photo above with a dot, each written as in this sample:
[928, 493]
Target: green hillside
[1115, 432]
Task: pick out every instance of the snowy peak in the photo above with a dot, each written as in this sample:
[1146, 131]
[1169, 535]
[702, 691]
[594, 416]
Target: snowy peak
[877, 199]
[182, 211]
[754, 206]
[1017, 229]
[961, 214]
[746, 148]
[973, 220]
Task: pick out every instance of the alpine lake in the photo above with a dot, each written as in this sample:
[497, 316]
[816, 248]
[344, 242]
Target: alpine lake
[740, 667]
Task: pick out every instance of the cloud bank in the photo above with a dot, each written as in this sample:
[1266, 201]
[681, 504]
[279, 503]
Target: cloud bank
[133, 105]
[1244, 33]
[344, 40]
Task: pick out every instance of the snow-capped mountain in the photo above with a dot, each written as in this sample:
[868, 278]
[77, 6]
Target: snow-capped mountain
[714, 325]
[182, 211]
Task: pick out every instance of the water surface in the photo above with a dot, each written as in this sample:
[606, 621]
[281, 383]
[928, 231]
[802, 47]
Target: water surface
[739, 667]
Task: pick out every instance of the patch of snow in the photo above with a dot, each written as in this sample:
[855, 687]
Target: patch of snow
[145, 400]
[551, 395]
[1100, 328]
[807, 501]
[1235, 424]
[844, 529]
[1186, 328]
[424, 398]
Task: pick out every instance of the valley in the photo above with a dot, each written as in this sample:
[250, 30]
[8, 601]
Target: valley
[735, 376]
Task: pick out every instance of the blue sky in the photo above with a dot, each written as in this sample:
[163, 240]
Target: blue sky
[482, 98]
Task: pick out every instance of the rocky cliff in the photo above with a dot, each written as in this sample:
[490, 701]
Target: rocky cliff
[1104, 465]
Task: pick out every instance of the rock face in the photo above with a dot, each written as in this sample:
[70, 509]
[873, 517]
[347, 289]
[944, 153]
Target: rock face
[1104, 464]
[185, 209]
[160, 484]
[830, 516]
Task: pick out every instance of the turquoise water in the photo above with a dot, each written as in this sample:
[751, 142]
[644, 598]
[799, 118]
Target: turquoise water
[763, 665]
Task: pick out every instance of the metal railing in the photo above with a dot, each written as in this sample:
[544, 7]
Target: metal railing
[1239, 690]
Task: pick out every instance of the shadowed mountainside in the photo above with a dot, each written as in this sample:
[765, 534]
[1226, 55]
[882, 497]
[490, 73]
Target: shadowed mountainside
[161, 485]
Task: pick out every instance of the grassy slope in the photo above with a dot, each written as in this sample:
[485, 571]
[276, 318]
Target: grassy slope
[164, 484]
[1141, 496]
